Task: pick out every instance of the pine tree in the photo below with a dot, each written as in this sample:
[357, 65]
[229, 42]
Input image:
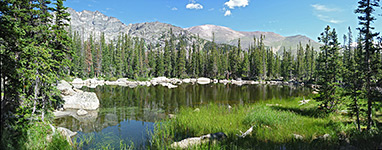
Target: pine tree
[245, 66]
[329, 75]
[300, 68]
[160, 64]
[106, 61]
[167, 59]
[308, 61]
[366, 18]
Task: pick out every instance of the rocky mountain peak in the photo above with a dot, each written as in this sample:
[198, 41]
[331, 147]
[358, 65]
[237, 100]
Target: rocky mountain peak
[94, 23]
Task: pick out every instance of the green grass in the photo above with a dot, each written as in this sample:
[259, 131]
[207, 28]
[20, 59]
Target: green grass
[37, 137]
[275, 124]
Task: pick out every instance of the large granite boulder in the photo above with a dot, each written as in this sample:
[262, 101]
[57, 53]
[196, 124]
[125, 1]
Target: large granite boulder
[81, 100]
[160, 80]
[203, 81]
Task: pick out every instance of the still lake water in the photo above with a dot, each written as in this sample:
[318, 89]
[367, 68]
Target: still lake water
[128, 114]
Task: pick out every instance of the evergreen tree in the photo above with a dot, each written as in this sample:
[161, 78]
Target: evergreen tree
[160, 64]
[167, 59]
[245, 66]
[370, 65]
[329, 75]
[300, 68]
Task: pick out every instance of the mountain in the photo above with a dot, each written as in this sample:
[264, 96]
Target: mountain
[94, 23]
[228, 36]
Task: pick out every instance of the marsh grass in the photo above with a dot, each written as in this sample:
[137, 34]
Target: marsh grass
[108, 141]
[275, 122]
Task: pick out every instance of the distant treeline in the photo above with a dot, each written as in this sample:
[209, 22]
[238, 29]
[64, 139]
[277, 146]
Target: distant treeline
[132, 57]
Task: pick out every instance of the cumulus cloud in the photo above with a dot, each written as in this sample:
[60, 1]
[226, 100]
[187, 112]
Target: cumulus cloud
[174, 8]
[236, 3]
[228, 13]
[324, 8]
[194, 6]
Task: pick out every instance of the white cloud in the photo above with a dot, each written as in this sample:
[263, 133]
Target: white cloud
[194, 6]
[228, 13]
[324, 8]
[328, 19]
[174, 8]
[236, 3]
[211, 9]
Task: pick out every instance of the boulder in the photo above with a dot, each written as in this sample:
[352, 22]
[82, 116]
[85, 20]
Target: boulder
[298, 137]
[169, 85]
[255, 82]
[204, 81]
[65, 88]
[66, 133]
[187, 143]
[175, 81]
[153, 83]
[77, 81]
[237, 82]
[148, 83]
[160, 80]
[122, 80]
[193, 81]
[186, 80]
[216, 81]
[224, 81]
[81, 100]
[171, 116]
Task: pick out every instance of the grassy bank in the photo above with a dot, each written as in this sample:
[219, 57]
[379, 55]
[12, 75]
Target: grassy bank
[277, 124]
[37, 135]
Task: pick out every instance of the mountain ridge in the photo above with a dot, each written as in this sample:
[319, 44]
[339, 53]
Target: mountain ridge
[94, 23]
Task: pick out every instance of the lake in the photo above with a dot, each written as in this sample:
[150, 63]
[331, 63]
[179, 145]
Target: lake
[128, 114]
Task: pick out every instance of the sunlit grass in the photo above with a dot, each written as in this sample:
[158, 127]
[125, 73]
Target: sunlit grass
[275, 122]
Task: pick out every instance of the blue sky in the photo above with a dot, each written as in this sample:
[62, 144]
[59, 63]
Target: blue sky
[285, 17]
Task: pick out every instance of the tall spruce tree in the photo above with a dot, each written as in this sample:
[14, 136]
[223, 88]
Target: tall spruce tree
[329, 73]
[366, 18]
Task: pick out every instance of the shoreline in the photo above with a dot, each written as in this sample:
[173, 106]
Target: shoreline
[173, 82]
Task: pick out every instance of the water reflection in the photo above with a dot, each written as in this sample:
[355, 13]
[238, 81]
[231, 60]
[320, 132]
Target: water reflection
[128, 113]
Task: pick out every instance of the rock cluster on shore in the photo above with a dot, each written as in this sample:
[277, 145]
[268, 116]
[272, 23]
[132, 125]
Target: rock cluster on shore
[171, 82]
[77, 103]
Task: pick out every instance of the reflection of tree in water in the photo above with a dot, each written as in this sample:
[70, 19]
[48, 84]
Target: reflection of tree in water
[123, 105]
